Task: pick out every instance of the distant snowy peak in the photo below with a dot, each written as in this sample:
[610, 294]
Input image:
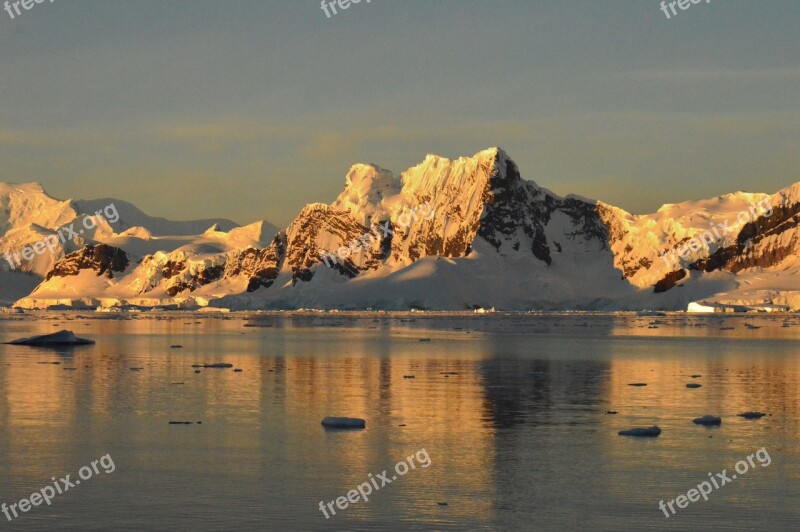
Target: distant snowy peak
[131, 216]
[28, 215]
[257, 234]
[28, 203]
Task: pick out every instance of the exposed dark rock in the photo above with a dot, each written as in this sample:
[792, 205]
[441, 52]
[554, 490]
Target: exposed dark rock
[101, 258]
[172, 268]
[749, 251]
[669, 281]
[260, 266]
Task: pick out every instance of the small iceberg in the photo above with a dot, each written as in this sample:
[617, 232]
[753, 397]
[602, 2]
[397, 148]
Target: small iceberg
[641, 431]
[752, 415]
[344, 423]
[708, 421]
[62, 337]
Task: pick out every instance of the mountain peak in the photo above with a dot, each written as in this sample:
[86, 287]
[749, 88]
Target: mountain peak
[495, 152]
[365, 185]
[489, 154]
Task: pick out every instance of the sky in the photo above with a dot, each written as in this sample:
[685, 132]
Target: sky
[249, 110]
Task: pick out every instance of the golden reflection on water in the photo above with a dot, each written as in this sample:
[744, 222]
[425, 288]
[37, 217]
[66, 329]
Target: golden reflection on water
[512, 420]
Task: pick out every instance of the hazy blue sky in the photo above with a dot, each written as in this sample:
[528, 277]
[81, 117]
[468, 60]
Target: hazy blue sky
[250, 109]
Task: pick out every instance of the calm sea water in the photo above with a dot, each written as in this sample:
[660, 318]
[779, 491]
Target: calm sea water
[511, 410]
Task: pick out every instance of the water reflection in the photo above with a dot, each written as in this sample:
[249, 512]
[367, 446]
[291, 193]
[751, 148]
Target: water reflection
[511, 411]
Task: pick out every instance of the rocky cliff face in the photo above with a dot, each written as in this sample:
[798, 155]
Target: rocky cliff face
[735, 233]
[763, 243]
[101, 259]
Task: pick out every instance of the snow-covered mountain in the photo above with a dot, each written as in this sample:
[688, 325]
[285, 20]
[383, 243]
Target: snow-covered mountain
[29, 216]
[130, 216]
[446, 234]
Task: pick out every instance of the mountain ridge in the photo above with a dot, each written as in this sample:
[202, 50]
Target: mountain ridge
[494, 240]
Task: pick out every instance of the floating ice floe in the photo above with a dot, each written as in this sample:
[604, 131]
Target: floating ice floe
[344, 423]
[752, 415]
[62, 337]
[641, 431]
[708, 420]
